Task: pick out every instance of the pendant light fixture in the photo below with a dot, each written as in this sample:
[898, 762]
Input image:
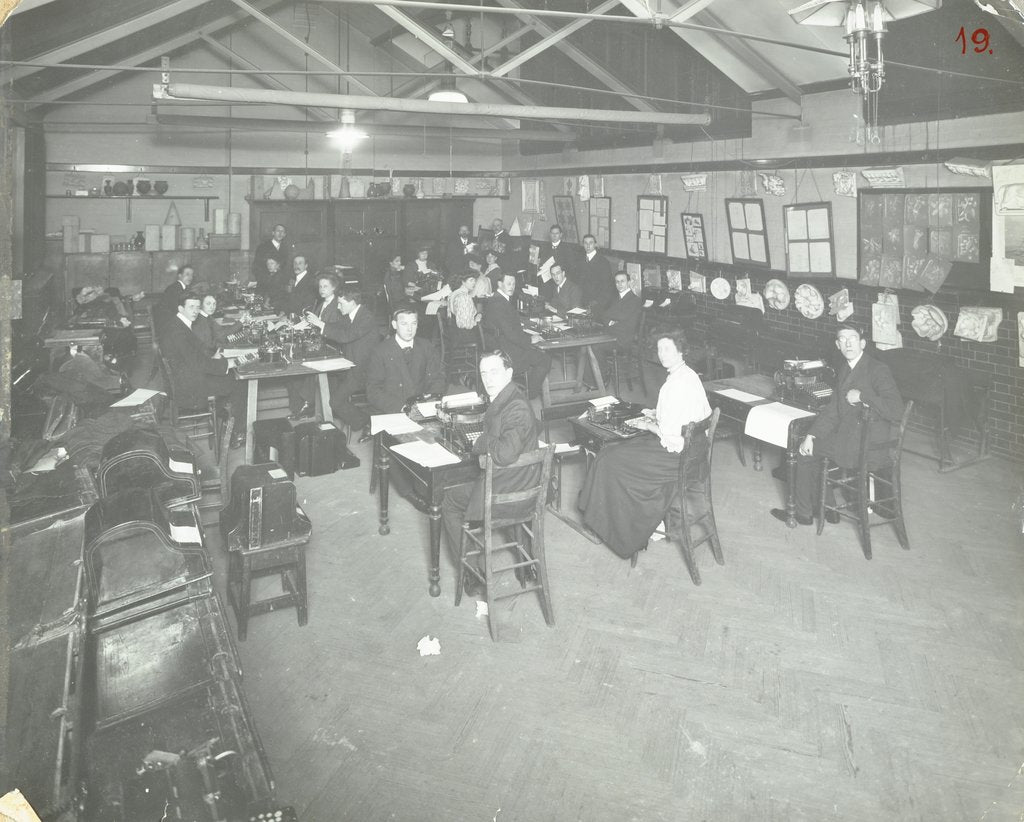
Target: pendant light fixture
[448, 93]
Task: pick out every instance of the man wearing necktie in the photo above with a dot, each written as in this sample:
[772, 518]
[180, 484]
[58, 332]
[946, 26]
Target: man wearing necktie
[402, 367]
[862, 380]
[560, 293]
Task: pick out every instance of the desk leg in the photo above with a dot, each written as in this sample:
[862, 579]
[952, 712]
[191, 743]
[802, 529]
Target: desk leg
[324, 396]
[435, 548]
[598, 377]
[790, 487]
[545, 393]
[581, 370]
[383, 485]
[252, 393]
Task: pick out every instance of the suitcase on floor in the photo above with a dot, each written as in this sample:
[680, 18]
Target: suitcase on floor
[322, 449]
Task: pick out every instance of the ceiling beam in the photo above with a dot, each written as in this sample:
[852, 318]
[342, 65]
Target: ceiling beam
[235, 95]
[28, 5]
[302, 45]
[265, 80]
[98, 39]
[585, 62]
[375, 130]
[430, 37]
[745, 53]
[687, 11]
[547, 42]
[84, 81]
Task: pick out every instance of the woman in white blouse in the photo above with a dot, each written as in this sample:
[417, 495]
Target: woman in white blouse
[631, 484]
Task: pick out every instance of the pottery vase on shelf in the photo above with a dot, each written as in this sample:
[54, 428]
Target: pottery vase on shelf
[143, 187]
[160, 187]
[201, 242]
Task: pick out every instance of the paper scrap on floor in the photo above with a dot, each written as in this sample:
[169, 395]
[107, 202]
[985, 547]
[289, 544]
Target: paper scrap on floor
[560, 447]
[770, 422]
[427, 454]
[393, 424]
[481, 608]
[185, 533]
[333, 364]
[736, 394]
[429, 646]
[137, 397]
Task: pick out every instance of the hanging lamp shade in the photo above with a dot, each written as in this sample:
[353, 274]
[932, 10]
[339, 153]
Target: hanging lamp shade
[833, 12]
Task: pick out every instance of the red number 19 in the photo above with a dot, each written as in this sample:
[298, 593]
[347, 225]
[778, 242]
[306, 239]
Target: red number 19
[979, 37]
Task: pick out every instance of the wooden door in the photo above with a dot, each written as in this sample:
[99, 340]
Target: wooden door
[307, 226]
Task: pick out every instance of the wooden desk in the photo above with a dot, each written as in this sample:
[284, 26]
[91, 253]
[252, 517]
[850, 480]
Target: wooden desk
[254, 372]
[738, 410]
[428, 487]
[584, 345]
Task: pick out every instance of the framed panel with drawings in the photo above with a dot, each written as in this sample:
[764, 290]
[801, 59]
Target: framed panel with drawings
[601, 221]
[694, 236]
[748, 234]
[565, 216]
[652, 223]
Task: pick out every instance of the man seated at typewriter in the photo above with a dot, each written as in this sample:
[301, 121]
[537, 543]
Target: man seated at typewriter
[325, 312]
[509, 430]
[862, 380]
[560, 293]
[631, 484]
[503, 330]
[402, 367]
[195, 373]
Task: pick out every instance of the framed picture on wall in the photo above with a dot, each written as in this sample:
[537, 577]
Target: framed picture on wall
[748, 233]
[601, 221]
[652, 223]
[531, 196]
[565, 216]
[809, 246]
[694, 236]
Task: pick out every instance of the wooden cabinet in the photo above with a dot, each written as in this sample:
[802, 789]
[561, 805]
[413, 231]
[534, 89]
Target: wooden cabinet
[362, 233]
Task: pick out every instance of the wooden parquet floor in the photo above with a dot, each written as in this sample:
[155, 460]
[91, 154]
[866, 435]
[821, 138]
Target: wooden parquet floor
[800, 681]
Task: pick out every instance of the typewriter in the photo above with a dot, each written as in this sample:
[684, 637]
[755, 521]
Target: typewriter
[806, 384]
[461, 426]
[616, 418]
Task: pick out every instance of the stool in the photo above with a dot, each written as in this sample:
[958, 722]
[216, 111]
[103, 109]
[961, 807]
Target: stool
[286, 557]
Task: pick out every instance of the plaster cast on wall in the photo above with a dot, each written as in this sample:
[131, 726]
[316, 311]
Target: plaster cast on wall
[929, 322]
[978, 324]
[1007, 267]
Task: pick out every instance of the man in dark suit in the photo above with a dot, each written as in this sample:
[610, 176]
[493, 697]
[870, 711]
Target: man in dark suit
[622, 314]
[402, 367]
[302, 290]
[862, 380]
[560, 293]
[277, 247]
[557, 248]
[594, 275]
[273, 282]
[458, 247]
[510, 430]
[503, 330]
[196, 374]
[357, 333]
[165, 310]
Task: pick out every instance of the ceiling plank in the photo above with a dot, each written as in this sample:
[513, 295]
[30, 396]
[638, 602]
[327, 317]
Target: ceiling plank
[266, 80]
[745, 53]
[687, 11]
[84, 81]
[584, 61]
[28, 5]
[428, 36]
[99, 39]
[551, 40]
[302, 45]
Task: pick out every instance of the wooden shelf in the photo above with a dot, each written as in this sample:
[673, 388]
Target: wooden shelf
[130, 198]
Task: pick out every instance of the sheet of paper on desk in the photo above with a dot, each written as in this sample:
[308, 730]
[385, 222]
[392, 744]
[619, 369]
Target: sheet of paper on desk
[427, 409]
[736, 394]
[273, 326]
[259, 318]
[251, 284]
[427, 454]
[461, 400]
[393, 424]
[137, 397]
[561, 326]
[180, 467]
[770, 422]
[601, 402]
[576, 311]
[648, 303]
[231, 353]
[186, 533]
[333, 364]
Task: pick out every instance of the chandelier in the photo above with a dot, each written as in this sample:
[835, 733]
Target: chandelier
[865, 24]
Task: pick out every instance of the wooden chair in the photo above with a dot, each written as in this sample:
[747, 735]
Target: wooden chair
[461, 360]
[477, 538]
[191, 417]
[695, 480]
[878, 469]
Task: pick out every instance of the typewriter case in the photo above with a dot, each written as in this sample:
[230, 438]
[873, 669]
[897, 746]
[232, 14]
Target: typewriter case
[140, 458]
